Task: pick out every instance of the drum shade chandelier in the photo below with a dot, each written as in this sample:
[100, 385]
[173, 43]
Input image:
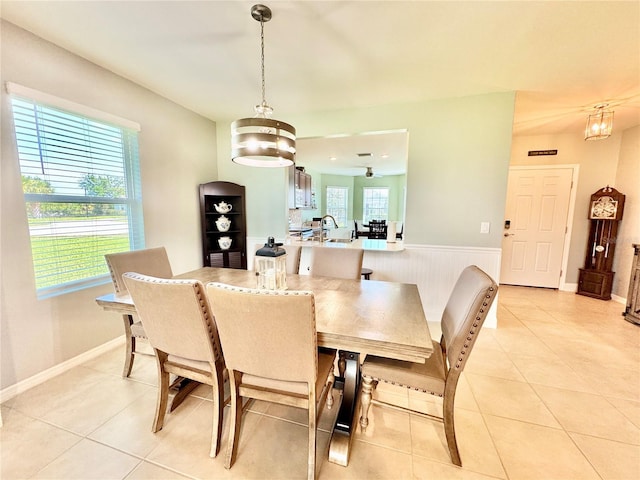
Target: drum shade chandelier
[261, 141]
[599, 123]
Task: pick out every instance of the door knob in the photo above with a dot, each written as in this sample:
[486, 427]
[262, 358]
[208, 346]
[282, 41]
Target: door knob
[508, 234]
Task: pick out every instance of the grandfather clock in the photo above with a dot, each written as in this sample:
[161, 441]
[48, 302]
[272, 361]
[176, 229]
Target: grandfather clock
[605, 212]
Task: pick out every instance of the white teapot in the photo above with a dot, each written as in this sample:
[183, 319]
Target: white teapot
[223, 224]
[225, 243]
[223, 207]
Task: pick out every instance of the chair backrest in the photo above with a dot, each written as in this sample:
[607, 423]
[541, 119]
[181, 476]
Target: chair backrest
[466, 311]
[360, 226]
[336, 262]
[176, 316]
[267, 333]
[151, 261]
[294, 252]
[378, 229]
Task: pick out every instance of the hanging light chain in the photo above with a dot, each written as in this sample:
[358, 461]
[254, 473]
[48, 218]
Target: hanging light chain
[264, 101]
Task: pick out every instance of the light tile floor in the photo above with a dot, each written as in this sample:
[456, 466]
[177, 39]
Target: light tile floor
[552, 393]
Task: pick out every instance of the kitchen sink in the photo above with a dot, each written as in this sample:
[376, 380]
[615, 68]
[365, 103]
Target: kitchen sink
[339, 240]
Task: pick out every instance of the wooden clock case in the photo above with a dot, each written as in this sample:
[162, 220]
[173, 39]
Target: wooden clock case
[596, 278]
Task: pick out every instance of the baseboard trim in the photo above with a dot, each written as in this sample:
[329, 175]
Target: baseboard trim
[13, 390]
[618, 299]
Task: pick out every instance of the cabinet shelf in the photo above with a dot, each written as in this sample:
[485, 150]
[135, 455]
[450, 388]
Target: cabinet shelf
[211, 194]
[219, 250]
[230, 233]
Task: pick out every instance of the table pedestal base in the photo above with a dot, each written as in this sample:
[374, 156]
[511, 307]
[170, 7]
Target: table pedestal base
[180, 389]
[346, 423]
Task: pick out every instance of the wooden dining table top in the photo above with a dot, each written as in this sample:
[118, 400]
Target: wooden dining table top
[368, 317]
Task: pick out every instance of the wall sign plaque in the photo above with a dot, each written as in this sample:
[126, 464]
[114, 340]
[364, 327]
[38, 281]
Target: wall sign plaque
[537, 153]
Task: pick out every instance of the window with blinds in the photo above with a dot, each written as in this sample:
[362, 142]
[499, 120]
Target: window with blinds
[81, 183]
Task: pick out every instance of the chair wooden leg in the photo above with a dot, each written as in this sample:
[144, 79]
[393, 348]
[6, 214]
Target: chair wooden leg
[163, 392]
[218, 408]
[311, 461]
[236, 419]
[130, 346]
[449, 429]
[368, 386]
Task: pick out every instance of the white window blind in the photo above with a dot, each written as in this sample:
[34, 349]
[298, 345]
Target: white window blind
[81, 183]
[337, 204]
[375, 204]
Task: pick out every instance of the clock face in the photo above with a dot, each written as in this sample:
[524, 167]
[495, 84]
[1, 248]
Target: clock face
[604, 207]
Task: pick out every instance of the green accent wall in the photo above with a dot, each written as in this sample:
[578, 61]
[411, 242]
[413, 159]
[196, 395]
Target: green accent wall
[459, 151]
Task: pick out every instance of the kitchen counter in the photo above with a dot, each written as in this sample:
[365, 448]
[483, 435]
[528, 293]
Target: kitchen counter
[364, 243]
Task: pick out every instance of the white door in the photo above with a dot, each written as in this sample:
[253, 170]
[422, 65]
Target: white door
[535, 226]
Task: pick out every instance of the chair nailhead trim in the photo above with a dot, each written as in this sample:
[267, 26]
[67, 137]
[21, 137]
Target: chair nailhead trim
[417, 389]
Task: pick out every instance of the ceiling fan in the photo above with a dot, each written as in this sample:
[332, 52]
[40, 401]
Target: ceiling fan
[369, 173]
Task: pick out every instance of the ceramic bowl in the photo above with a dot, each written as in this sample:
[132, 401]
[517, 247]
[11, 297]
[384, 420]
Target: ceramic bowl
[223, 224]
[225, 243]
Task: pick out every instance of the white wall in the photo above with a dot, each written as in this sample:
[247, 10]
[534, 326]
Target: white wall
[177, 152]
[628, 182]
[599, 162]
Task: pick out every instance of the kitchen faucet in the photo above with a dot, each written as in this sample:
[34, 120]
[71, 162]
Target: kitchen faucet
[335, 224]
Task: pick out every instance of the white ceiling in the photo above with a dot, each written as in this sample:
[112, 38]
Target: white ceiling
[561, 58]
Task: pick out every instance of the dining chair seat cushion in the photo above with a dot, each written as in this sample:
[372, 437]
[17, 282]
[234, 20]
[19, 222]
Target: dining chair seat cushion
[137, 330]
[427, 377]
[325, 364]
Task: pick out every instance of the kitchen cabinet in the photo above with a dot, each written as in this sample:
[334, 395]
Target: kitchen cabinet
[224, 225]
[300, 189]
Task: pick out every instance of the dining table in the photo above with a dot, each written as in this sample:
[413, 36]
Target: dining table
[356, 317]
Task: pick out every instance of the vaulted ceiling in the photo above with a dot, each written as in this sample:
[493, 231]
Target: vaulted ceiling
[561, 57]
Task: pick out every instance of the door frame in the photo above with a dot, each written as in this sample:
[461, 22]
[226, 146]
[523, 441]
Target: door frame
[562, 285]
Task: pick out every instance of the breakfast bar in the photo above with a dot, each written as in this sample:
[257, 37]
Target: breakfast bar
[365, 243]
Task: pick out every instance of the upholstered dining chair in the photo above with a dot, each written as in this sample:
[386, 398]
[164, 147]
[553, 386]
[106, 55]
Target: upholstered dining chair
[270, 346]
[336, 262]
[177, 319]
[377, 229]
[294, 253]
[463, 316]
[150, 261]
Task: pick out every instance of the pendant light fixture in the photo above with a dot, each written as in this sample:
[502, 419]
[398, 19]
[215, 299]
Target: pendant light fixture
[599, 123]
[261, 141]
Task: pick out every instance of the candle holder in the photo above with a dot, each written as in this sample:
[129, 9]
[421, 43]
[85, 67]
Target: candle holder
[270, 265]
